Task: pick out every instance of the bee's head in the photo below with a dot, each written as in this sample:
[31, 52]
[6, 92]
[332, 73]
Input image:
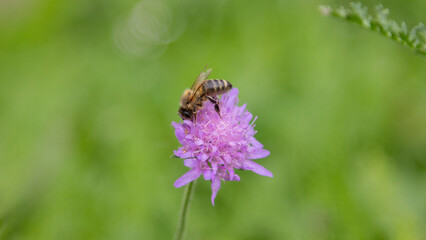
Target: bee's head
[185, 114]
[185, 111]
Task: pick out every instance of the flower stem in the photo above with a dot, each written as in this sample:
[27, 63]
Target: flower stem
[184, 210]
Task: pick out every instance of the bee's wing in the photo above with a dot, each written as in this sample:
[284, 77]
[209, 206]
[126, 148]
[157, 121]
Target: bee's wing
[201, 78]
[199, 83]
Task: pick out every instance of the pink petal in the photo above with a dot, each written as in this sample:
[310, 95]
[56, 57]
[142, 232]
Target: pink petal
[231, 98]
[258, 153]
[179, 132]
[191, 162]
[199, 142]
[227, 158]
[215, 188]
[246, 118]
[182, 153]
[231, 172]
[188, 177]
[177, 125]
[207, 174]
[214, 166]
[257, 168]
[202, 157]
[241, 109]
[253, 141]
[189, 137]
[234, 178]
[188, 123]
[214, 149]
[233, 92]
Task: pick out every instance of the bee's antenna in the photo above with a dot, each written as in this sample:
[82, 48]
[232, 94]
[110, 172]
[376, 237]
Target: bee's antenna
[204, 69]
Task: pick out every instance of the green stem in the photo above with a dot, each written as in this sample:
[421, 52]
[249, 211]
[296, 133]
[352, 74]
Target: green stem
[184, 210]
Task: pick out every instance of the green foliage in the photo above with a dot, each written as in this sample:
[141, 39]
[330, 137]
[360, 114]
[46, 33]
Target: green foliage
[414, 39]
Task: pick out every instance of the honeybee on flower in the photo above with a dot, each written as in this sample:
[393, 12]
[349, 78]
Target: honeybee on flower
[214, 145]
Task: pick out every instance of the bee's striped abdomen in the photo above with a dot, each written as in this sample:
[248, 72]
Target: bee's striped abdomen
[213, 87]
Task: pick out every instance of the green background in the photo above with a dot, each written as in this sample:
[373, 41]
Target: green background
[88, 90]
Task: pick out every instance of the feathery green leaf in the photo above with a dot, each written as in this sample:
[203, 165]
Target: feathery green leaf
[414, 39]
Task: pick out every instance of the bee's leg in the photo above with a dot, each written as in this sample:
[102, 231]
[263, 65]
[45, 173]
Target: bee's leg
[216, 108]
[216, 104]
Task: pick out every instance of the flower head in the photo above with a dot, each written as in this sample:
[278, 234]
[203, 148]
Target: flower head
[217, 145]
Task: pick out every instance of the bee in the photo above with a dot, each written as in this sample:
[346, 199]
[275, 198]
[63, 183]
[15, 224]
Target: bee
[202, 89]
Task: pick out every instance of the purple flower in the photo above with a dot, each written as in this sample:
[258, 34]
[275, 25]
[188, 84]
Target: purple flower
[215, 146]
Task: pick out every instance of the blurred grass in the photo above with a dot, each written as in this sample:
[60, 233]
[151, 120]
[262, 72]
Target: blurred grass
[85, 134]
